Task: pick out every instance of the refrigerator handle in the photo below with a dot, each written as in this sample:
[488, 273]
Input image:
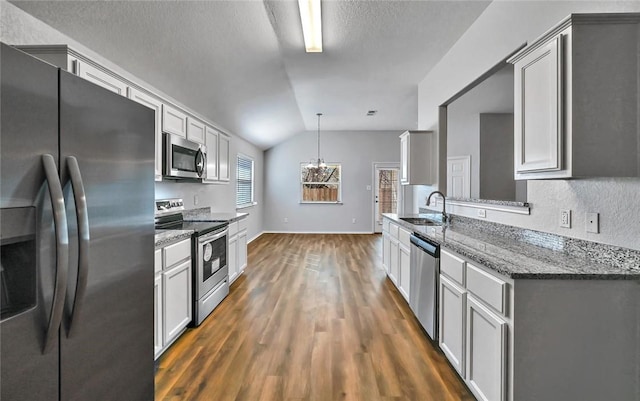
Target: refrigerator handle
[62, 250]
[82, 214]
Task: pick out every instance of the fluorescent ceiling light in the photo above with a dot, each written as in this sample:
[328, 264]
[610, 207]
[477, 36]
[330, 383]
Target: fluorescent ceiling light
[311, 18]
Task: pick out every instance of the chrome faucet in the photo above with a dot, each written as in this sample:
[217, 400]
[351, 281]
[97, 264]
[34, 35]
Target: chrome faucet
[445, 217]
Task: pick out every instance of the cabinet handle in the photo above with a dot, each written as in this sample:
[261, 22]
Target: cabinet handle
[62, 250]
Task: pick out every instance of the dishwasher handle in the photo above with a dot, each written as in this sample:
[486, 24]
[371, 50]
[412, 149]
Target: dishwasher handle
[426, 246]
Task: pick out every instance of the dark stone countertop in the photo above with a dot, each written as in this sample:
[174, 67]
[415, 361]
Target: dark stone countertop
[522, 254]
[168, 237]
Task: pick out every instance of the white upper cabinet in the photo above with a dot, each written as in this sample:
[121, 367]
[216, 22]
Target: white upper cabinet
[224, 171]
[156, 105]
[538, 139]
[576, 102]
[195, 130]
[211, 142]
[100, 77]
[418, 158]
[174, 121]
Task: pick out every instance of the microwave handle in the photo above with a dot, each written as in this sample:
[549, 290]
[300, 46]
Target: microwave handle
[201, 163]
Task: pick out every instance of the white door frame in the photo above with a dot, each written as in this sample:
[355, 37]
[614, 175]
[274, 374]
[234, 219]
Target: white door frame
[376, 166]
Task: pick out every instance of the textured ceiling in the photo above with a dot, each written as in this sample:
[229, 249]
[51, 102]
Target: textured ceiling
[243, 65]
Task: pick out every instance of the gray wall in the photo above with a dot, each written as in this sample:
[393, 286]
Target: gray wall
[19, 27]
[496, 157]
[501, 29]
[494, 95]
[356, 151]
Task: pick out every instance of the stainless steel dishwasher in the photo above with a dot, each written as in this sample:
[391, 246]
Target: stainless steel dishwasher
[423, 292]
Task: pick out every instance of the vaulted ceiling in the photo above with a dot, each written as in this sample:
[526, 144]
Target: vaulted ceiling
[242, 64]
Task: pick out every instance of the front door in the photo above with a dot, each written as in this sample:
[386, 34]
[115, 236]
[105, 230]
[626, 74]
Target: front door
[386, 181]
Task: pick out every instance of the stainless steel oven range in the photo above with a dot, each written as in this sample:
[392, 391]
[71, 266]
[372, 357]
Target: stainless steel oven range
[209, 249]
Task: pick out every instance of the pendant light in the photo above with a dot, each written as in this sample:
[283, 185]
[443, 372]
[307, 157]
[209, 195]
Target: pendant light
[319, 162]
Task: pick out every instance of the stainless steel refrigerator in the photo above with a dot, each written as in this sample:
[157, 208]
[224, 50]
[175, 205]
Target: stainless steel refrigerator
[76, 225]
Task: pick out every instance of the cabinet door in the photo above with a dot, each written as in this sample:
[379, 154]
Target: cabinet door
[211, 142]
[195, 130]
[157, 314]
[394, 261]
[174, 121]
[452, 323]
[224, 171]
[242, 251]
[99, 77]
[486, 339]
[404, 159]
[386, 252]
[176, 304]
[156, 105]
[232, 259]
[538, 109]
[405, 278]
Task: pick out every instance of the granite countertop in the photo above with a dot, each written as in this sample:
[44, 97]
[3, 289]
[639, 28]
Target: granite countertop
[518, 254]
[166, 237]
[205, 214]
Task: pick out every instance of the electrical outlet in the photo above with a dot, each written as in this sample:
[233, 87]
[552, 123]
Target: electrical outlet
[565, 218]
[353, 220]
[482, 213]
[368, 187]
[195, 199]
[286, 219]
[593, 223]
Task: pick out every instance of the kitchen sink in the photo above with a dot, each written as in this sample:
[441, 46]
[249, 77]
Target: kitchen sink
[420, 221]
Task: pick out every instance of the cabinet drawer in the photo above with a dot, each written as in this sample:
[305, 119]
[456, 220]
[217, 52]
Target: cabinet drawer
[233, 229]
[177, 252]
[385, 225]
[452, 267]
[405, 237]
[157, 261]
[242, 224]
[488, 288]
[393, 230]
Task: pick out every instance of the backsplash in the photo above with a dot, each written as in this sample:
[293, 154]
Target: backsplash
[624, 258]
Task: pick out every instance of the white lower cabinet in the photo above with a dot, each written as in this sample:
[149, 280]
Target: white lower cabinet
[242, 250]
[157, 315]
[394, 264]
[474, 323]
[232, 258]
[452, 323]
[237, 254]
[405, 268]
[386, 249]
[177, 300]
[172, 294]
[486, 352]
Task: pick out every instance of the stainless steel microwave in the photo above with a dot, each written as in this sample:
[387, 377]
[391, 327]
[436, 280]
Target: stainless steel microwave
[183, 158]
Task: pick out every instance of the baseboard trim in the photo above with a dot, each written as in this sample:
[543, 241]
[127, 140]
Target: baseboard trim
[256, 237]
[318, 232]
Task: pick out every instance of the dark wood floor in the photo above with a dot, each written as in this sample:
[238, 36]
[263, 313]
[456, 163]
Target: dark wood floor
[312, 318]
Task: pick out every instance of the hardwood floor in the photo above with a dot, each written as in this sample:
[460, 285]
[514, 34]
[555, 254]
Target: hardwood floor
[312, 318]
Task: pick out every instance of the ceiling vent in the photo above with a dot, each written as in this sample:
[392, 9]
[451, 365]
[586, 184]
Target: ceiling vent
[371, 113]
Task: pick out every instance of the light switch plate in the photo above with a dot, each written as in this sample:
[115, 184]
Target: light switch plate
[482, 213]
[593, 223]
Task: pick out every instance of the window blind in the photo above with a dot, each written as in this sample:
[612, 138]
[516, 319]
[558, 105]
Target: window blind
[244, 182]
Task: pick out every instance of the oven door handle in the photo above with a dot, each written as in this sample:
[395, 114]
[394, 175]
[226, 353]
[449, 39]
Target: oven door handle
[213, 237]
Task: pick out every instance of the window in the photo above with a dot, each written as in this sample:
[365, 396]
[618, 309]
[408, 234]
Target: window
[244, 182]
[320, 185]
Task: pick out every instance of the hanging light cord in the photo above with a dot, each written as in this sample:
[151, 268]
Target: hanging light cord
[319, 114]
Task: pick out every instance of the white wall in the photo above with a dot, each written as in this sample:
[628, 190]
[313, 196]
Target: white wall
[355, 150]
[496, 33]
[18, 27]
